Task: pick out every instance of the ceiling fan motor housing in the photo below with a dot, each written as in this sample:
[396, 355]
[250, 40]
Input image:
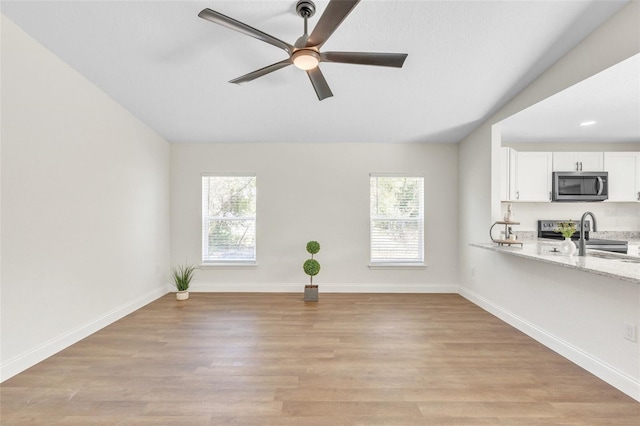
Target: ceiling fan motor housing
[305, 8]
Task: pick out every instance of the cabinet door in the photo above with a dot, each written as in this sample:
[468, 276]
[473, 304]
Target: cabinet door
[566, 162]
[591, 161]
[624, 175]
[534, 176]
[513, 167]
[508, 158]
[578, 161]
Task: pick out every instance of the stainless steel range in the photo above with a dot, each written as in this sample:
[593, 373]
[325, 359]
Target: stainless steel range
[546, 229]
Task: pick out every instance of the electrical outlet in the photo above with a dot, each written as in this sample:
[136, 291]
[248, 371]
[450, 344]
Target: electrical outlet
[630, 332]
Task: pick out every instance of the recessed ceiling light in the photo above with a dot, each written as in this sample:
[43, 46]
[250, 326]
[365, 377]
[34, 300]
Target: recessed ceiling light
[588, 123]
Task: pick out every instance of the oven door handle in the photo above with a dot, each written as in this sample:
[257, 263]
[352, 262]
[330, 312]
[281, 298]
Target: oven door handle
[600, 185]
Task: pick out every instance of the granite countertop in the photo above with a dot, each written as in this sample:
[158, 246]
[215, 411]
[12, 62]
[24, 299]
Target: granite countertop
[619, 266]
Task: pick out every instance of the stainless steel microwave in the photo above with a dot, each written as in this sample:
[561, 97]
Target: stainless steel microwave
[580, 186]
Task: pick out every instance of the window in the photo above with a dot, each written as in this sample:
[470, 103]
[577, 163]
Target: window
[397, 219]
[228, 219]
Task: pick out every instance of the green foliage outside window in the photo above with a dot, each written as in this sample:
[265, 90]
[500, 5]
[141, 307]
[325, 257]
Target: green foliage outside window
[396, 218]
[230, 217]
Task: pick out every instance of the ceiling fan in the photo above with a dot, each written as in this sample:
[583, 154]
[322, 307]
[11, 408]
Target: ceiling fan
[305, 53]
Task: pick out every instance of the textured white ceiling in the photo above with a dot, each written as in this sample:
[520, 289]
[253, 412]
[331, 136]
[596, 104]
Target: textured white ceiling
[171, 69]
[611, 98]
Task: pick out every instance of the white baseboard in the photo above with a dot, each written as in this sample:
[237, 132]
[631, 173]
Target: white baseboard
[245, 288]
[28, 359]
[621, 381]
[323, 288]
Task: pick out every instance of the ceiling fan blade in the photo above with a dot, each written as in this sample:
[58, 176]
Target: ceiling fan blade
[262, 71]
[319, 83]
[225, 21]
[331, 18]
[365, 58]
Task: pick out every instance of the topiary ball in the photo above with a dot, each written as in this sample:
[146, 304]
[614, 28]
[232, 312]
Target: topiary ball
[313, 247]
[311, 267]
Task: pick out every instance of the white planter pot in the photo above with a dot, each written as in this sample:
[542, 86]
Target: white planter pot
[182, 295]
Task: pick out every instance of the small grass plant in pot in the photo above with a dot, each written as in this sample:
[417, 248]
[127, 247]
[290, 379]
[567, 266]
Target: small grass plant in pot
[182, 275]
[567, 229]
[311, 267]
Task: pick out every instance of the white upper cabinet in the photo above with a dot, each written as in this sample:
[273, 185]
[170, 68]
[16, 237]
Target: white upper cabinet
[533, 176]
[624, 175]
[526, 176]
[578, 161]
[508, 166]
[513, 168]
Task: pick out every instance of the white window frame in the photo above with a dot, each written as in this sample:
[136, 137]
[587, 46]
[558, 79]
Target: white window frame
[403, 263]
[208, 260]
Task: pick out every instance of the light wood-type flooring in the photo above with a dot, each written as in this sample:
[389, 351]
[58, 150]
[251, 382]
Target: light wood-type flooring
[351, 359]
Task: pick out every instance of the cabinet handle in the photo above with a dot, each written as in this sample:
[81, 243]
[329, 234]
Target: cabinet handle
[638, 195]
[517, 195]
[581, 166]
[549, 195]
[577, 166]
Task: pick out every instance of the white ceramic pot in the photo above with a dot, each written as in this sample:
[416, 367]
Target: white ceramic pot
[567, 247]
[182, 295]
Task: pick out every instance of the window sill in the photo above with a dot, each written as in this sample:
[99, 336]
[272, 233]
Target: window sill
[397, 266]
[229, 265]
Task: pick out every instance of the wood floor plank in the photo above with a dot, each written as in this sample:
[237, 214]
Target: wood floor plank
[350, 408]
[350, 359]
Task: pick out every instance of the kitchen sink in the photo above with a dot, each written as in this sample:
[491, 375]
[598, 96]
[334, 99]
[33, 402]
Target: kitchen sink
[620, 257]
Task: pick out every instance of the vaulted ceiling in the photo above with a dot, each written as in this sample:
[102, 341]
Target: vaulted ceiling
[171, 69]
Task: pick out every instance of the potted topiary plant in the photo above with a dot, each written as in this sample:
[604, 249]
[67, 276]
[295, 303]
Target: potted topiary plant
[182, 275]
[311, 267]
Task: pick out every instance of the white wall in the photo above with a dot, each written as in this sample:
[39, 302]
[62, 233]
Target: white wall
[317, 192]
[527, 304]
[85, 206]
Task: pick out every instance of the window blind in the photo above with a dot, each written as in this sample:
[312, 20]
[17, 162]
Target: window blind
[228, 218]
[396, 219]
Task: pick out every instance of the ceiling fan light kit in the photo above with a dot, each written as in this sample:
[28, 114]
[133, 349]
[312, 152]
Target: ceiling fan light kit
[305, 59]
[305, 54]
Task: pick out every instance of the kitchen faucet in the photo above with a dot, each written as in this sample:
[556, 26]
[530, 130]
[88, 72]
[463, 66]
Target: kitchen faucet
[581, 243]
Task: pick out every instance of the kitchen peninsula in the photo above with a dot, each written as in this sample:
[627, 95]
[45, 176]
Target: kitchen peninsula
[623, 267]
